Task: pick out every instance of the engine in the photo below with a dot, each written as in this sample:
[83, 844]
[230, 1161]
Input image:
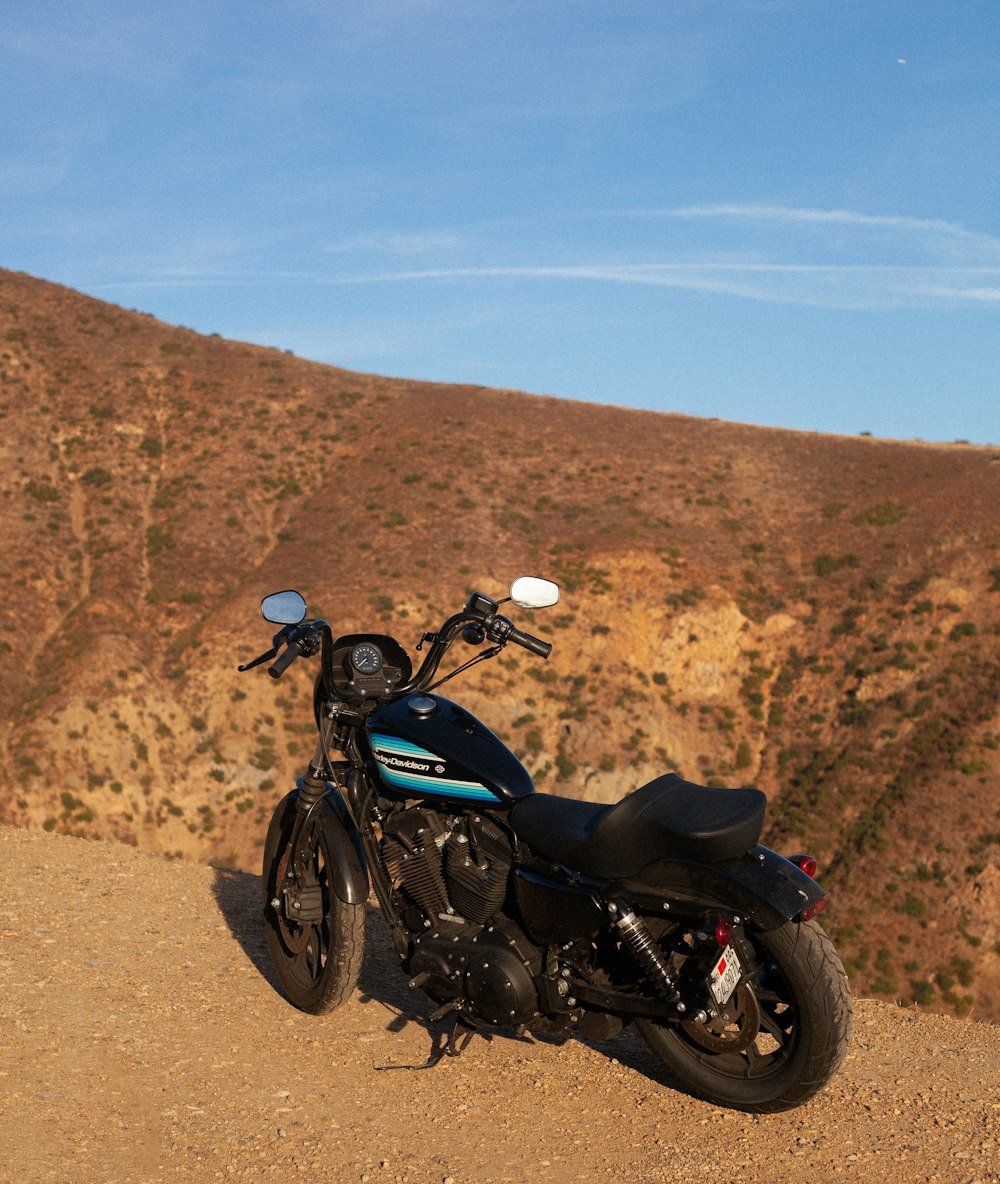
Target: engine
[450, 869]
[451, 874]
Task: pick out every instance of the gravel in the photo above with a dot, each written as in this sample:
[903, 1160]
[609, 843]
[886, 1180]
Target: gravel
[144, 1040]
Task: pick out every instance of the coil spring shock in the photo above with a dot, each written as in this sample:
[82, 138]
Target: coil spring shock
[643, 945]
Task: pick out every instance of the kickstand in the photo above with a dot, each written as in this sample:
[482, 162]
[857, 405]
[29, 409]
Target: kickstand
[452, 1045]
[459, 1039]
[438, 1050]
[462, 1032]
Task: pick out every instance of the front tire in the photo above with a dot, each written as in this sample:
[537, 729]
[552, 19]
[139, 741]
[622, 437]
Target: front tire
[317, 961]
[788, 1038]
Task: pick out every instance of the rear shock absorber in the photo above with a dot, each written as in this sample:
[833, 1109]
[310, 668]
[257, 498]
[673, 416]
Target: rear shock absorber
[643, 945]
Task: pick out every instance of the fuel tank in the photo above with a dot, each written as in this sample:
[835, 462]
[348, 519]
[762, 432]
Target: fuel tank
[427, 746]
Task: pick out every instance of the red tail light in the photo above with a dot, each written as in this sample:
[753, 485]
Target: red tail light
[723, 933]
[805, 863]
[814, 910]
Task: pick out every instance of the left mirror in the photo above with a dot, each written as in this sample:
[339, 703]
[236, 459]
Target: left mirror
[532, 592]
[283, 608]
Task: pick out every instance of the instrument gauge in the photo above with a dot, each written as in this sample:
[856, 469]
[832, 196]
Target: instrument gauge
[366, 658]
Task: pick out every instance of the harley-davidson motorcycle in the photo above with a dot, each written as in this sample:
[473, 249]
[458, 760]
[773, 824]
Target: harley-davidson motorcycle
[510, 907]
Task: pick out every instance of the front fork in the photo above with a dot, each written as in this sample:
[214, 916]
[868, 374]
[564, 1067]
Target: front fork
[311, 791]
[297, 893]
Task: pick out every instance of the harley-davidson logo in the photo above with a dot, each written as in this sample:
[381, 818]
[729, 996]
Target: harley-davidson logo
[399, 762]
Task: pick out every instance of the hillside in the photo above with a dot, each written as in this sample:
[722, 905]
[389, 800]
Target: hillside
[815, 615]
[146, 1043]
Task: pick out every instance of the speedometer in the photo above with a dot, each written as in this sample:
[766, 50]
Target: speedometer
[366, 658]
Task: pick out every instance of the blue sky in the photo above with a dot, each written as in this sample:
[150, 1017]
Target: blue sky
[783, 212]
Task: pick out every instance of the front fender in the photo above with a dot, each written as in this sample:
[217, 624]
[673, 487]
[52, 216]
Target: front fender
[761, 885]
[349, 872]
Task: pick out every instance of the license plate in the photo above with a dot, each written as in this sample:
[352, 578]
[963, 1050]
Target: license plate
[725, 976]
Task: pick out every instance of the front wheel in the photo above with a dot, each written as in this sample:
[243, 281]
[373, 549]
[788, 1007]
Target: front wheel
[785, 1035]
[315, 939]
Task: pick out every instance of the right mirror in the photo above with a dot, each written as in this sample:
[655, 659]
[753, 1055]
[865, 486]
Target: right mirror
[283, 608]
[534, 592]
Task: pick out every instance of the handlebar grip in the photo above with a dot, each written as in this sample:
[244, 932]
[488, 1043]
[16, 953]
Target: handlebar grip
[534, 644]
[286, 659]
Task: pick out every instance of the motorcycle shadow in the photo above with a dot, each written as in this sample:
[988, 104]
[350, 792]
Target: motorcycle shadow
[238, 897]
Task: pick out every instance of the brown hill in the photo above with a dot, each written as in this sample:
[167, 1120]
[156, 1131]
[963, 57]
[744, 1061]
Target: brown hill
[817, 615]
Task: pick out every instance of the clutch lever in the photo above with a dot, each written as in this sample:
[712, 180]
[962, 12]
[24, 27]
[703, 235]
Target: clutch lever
[271, 653]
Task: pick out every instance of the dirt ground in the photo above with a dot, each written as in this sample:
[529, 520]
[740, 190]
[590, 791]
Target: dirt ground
[144, 1040]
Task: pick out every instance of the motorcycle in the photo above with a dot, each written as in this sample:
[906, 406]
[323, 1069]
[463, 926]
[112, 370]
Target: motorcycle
[515, 908]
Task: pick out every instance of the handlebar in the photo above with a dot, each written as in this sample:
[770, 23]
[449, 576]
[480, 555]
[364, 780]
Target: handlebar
[305, 639]
[501, 629]
[534, 644]
[292, 652]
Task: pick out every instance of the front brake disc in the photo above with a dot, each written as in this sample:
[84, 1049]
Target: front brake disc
[294, 934]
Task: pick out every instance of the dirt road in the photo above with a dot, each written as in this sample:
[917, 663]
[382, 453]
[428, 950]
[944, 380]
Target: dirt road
[144, 1041]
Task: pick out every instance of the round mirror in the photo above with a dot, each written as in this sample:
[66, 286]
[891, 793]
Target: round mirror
[283, 608]
[534, 592]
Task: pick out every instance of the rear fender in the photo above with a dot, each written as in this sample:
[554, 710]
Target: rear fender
[760, 886]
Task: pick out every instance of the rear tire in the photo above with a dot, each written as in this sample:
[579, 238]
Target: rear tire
[799, 998]
[317, 962]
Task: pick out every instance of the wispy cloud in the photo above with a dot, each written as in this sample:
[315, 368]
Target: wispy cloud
[804, 214]
[989, 295]
[822, 258]
[933, 235]
[857, 287]
[851, 286]
[932, 262]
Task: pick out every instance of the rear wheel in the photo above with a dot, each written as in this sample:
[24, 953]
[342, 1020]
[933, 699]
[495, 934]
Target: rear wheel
[784, 1035]
[315, 939]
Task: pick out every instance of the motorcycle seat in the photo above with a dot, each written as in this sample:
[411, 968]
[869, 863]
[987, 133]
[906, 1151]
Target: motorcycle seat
[668, 818]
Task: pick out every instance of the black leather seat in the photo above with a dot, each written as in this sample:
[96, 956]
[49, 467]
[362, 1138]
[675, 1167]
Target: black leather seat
[668, 818]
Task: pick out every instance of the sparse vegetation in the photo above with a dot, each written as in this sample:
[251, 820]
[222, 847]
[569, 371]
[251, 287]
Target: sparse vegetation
[884, 513]
[729, 613]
